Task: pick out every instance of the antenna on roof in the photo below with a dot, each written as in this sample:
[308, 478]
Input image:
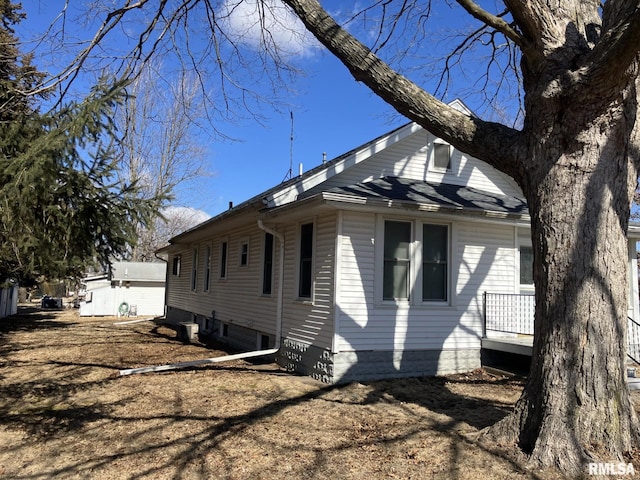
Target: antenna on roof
[289, 173]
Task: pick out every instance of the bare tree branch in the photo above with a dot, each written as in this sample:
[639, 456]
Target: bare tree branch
[471, 135]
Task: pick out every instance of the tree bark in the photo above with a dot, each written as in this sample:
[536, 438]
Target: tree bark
[576, 160]
[575, 407]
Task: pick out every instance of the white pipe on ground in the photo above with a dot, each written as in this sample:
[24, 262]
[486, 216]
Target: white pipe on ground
[237, 356]
[194, 363]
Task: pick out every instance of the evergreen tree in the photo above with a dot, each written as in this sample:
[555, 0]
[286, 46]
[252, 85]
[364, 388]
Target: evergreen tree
[61, 205]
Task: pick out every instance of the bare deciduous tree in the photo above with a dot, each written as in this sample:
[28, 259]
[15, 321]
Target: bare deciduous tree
[160, 149]
[576, 159]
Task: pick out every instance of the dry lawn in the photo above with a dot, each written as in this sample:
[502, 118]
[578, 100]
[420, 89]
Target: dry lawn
[67, 413]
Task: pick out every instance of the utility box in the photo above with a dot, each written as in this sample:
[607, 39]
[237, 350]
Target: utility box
[188, 331]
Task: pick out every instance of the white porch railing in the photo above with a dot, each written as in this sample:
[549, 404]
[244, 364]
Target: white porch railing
[508, 313]
[514, 313]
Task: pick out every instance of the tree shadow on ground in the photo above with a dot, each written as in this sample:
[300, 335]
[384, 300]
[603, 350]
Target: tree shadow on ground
[31, 318]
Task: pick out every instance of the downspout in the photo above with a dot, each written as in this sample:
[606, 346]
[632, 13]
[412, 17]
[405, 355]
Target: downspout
[280, 238]
[238, 356]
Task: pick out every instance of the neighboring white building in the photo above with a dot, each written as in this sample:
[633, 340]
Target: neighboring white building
[372, 265]
[130, 288]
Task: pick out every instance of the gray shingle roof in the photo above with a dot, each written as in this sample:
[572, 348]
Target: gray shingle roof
[445, 195]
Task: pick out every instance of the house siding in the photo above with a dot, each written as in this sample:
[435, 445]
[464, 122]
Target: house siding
[236, 299]
[410, 159]
[311, 322]
[375, 339]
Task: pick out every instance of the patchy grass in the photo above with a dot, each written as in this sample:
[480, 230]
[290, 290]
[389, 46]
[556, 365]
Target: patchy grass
[66, 413]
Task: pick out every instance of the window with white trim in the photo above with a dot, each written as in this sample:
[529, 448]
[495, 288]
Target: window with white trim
[207, 269]
[305, 268]
[526, 265]
[224, 252]
[397, 255]
[267, 264]
[441, 156]
[175, 266]
[435, 262]
[244, 253]
[194, 270]
[415, 258]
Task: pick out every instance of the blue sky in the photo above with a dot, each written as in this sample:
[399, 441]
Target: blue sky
[331, 114]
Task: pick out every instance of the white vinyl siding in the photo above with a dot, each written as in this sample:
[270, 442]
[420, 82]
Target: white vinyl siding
[409, 158]
[237, 300]
[482, 258]
[311, 322]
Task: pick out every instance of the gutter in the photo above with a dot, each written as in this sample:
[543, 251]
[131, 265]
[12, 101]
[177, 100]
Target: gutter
[280, 238]
[237, 356]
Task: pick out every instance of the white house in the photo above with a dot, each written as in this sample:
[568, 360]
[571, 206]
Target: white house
[371, 265]
[130, 288]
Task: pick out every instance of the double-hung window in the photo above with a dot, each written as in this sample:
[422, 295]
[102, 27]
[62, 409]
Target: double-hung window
[305, 279]
[207, 268]
[267, 264]
[397, 263]
[175, 266]
[244, 253]
[435, 263]
[526, 266]
[415, 266]
[224, 247]
[194, 270]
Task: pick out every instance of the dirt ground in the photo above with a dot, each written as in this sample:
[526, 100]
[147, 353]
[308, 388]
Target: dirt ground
[67, 413]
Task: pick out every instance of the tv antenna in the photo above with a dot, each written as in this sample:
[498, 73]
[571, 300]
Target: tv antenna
[289, 174]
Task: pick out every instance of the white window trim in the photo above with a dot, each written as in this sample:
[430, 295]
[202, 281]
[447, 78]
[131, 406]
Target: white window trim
[244, 241]
[208, 261]
[418, 246]
[262, 261]
[298, 237]
[415, 265]
[193, 279]
[521, 241]
[222, 276]
[432, 157]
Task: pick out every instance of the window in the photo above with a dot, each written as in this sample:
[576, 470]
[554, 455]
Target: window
[223, 260]
[306, 261]
[244, 254]
[175, 266]
[267, 264]
[526, 265]
[435, 240]
[207, 269]
[397, 242]
[194, 270]
[441, 156]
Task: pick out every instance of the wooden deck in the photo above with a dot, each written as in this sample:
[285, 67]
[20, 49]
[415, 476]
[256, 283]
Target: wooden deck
[522, 345]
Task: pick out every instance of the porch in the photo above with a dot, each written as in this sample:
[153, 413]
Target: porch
[508, 330]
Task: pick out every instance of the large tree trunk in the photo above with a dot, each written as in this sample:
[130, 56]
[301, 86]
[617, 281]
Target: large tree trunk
[575, 407]
[576, 160]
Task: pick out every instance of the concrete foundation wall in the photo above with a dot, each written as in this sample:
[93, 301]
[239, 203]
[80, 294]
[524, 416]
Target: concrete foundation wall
[377, 365]
[306, 359]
